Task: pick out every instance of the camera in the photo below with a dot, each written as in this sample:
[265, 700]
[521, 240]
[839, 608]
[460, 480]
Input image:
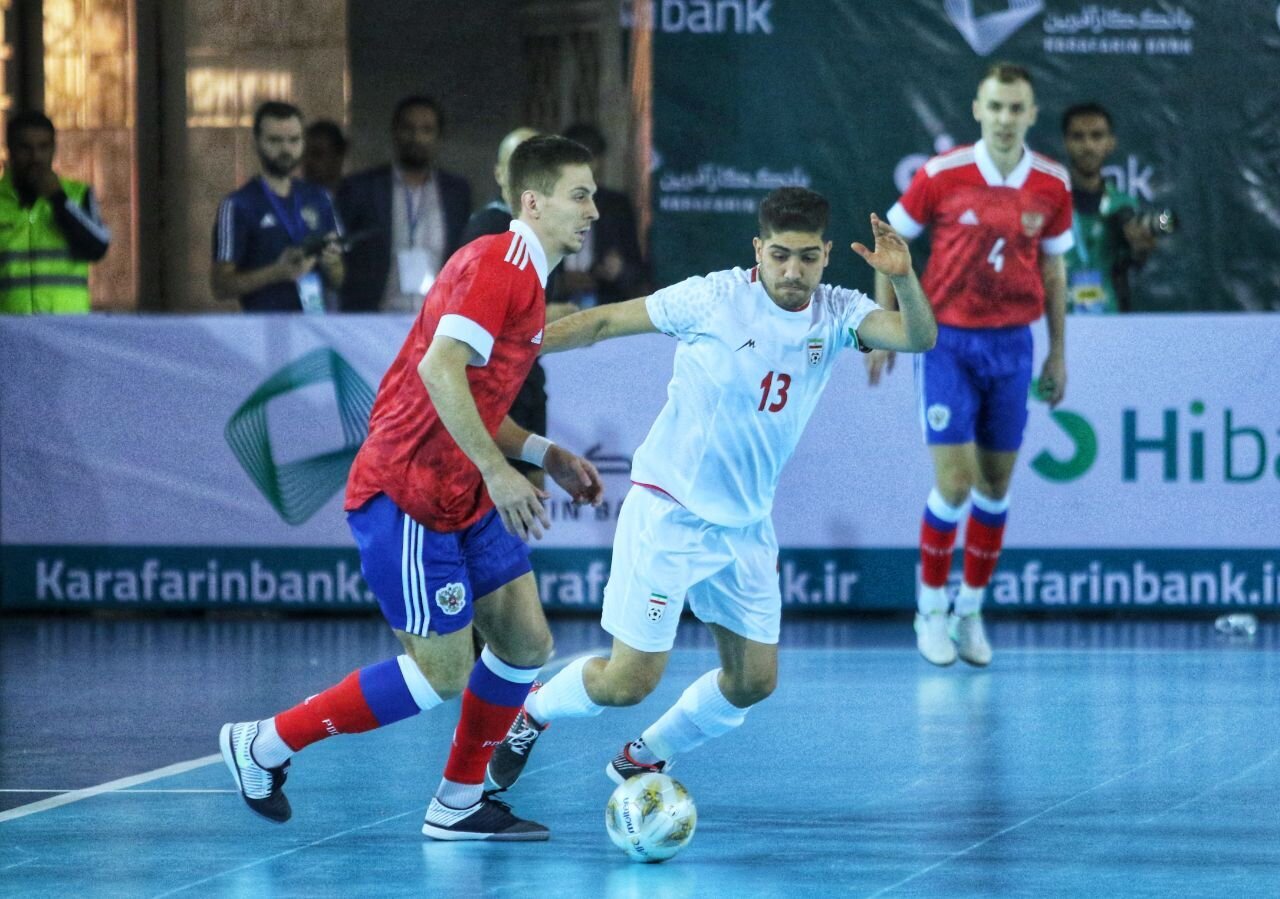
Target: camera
[1159, 221]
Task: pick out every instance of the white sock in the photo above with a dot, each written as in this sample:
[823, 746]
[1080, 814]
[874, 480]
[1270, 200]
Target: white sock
[931, 600]
[564, 696]
[458, 796]
[268, 750]
[969, 600]
[701, 712]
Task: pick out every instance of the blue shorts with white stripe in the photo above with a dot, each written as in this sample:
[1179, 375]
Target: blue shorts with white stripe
[428, 581]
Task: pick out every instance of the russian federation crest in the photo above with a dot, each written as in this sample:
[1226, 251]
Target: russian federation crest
[451, 598]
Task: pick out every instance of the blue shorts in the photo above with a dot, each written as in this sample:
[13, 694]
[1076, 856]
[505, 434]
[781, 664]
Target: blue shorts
[428, 581]
[972, 387]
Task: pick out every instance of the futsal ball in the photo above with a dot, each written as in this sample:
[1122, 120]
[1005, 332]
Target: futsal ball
[650, 817]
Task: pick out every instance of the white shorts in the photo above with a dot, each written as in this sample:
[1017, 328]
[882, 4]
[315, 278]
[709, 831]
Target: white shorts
[664, 555]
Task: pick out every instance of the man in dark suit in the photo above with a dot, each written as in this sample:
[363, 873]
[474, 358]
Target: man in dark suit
[411, 213]
[610, 267]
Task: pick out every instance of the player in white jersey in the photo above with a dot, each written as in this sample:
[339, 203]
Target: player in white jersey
[755, 350]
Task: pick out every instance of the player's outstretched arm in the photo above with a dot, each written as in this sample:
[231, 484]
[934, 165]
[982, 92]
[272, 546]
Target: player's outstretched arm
[912, 327]
[444, 373]
[600, 323]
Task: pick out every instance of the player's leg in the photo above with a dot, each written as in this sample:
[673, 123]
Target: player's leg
[948, 404]
[658, 552]
[404, 565]
[1001, 421]
[518, 642]
[742, 605]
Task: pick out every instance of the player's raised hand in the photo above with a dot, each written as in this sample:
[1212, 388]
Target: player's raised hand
[890, 256]
[575, 475]
[518, 502]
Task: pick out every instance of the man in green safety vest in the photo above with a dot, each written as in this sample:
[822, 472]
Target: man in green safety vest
[50, 229]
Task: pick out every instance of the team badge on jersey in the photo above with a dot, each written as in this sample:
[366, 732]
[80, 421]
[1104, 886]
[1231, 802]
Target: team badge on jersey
[938, 416]
[451, 598]
[311, 216]
[657, 605]
[815, 351]
[1032, 223]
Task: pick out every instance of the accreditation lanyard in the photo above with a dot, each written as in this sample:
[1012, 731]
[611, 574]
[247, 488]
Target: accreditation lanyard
[291, 218]
[414, 206]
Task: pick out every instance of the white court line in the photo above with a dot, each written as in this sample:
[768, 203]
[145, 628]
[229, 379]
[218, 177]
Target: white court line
[1247, 772]
[124, 783]
[111, 786]
[270, 858]
[1040, 814]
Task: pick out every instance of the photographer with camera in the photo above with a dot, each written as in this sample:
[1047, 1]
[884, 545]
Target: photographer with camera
[276, 242]
[1113, 233]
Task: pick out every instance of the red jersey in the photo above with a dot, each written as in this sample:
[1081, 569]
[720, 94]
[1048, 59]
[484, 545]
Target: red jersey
[490, 295]
[989, 233]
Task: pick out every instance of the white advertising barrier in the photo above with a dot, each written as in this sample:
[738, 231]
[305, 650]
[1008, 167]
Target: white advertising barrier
[200, 462]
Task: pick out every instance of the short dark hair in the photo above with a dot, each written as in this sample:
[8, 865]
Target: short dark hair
[794, 209]
[31, 118]
[274, 109]
[330, 130]
[423, 100]
[589, 136]
[1084, 109]
[537, 163]
[1008, 73]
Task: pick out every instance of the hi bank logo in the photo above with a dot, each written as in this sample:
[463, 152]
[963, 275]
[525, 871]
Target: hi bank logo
[987, 32]
[296, 489]
[1177, 447]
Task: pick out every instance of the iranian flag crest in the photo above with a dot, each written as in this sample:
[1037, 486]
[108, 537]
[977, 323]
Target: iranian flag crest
[815, 350]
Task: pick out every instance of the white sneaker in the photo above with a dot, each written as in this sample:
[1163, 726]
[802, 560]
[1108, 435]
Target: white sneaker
[970, 639]
[932, 638]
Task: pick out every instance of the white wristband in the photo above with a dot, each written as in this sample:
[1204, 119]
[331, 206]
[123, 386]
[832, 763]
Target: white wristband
[535, 449]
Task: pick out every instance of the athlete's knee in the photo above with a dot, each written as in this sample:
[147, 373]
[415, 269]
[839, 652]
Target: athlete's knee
[745, 689]
[448, 680]
[524, 650]
[955, 486]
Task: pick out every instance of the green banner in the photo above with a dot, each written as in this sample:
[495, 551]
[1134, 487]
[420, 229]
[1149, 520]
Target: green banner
[811, 580]
[850, 98]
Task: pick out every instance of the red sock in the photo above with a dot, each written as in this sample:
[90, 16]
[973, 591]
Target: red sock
[489, 704]
[982, 544]
[936, 546]
[481, 728]
[341, 709]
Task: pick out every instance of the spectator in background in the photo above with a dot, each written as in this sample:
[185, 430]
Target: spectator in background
[496, 216]
[50, 229]
[323, 155]
[529, 410]
[416, 213]
[1110, 239]
[275, 243]
[610, 266]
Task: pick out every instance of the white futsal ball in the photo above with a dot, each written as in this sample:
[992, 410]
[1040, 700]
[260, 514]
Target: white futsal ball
[651, 817]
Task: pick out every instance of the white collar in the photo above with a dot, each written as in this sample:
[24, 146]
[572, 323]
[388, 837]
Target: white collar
[536, 252]
[987, 166]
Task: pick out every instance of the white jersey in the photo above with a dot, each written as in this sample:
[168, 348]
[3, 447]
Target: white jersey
[747, 376]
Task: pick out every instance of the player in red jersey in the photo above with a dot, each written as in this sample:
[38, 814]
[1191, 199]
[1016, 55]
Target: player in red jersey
[440, 516]
[1001, 221]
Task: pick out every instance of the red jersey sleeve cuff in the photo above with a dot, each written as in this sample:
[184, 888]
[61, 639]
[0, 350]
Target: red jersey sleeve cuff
[903, 223]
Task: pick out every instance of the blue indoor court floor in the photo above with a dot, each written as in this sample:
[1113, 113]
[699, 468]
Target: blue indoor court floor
[1093, 758]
